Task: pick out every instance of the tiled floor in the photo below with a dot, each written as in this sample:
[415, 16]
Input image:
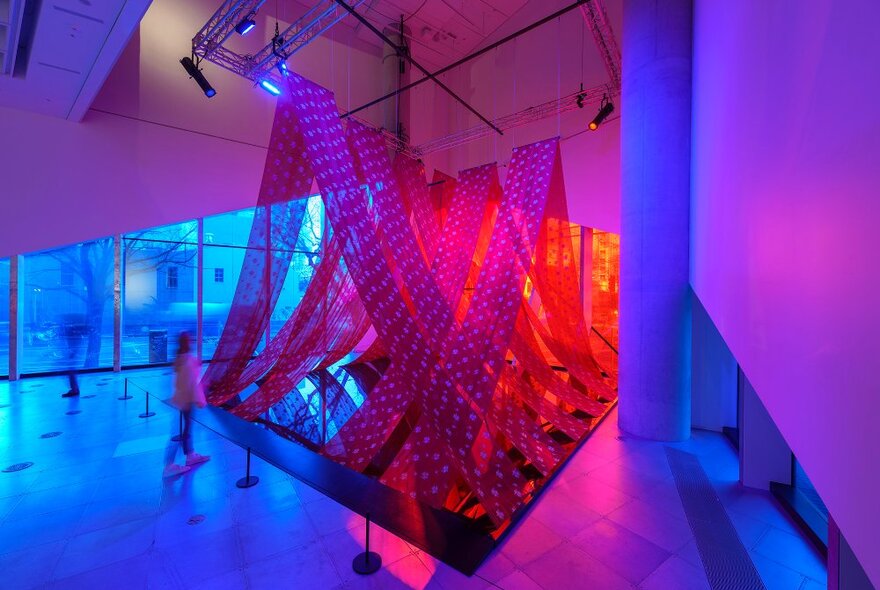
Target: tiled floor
[93, 512]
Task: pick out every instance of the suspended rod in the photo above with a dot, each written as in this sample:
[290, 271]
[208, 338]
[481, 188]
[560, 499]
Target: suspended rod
[467, 58]
[400, 51]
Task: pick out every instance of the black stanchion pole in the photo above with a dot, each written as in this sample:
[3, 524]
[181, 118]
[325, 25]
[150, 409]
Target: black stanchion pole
[248, 481]
[179, 436]
[126, 396]
[367, 562]
[147, 413]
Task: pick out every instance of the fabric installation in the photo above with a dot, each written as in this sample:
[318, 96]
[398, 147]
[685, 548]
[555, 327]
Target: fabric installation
[480, 379]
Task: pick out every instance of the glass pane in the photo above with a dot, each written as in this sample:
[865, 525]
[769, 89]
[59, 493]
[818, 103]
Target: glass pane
[803, 484]
[4, 316]
[68, 308]
[226, 241]
[302, 267]
[217, 295]
[229, 229]
[186, 232]
[302, 264]
[159, 291]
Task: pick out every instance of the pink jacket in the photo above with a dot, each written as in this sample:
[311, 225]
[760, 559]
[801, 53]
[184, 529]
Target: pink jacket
[187, 388]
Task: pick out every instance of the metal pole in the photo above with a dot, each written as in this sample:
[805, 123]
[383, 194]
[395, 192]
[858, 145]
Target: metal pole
[248, 481]
[367, 562]
[147, 413]
[367, 544]
[125, 396]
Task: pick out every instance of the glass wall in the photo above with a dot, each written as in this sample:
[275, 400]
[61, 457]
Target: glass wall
[4, 317]
[67, 308]
[67, 303]
[159, 291]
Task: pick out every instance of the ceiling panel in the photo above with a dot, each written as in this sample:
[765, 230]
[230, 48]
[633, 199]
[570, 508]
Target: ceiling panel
[70, 38]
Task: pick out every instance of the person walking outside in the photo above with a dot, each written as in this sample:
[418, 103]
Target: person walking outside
[188, 394]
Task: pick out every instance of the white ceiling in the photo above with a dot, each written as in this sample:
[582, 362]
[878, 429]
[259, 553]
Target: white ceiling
[74, 46]
[440, 31]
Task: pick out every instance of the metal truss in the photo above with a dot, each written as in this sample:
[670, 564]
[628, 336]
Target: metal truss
[208, 45]
[565, 104]
[208, 42]
[597, 19]
[221, 25]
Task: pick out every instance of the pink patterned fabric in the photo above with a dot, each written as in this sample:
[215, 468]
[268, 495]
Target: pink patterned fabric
[461, 400]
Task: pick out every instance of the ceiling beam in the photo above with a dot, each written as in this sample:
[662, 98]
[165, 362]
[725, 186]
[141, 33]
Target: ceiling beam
[464, 60]
[428, 75]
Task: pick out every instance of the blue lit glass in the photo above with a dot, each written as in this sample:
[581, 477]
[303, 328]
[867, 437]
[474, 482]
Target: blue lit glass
[159, 291]
[67, 307]
[803, 484]
[226, 241]
[305, 258]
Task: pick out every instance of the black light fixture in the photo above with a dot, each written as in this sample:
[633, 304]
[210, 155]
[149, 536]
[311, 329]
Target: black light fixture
[605, 109]
[192, 68]
[277, 44]
[246, 24]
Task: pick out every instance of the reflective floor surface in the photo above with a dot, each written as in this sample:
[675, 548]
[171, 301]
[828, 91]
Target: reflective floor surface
[94, 512]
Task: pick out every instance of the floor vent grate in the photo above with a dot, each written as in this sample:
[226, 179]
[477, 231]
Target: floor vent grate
[725, 559]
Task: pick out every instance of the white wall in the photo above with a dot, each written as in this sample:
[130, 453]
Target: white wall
[153, 149]
[785, 217]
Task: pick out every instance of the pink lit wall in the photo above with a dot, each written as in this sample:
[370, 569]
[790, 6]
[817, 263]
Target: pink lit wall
[786, 229]
[152, 149]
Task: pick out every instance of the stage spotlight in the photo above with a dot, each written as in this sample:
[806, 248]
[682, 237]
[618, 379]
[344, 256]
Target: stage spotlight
[196, 74]
[246, 25]
[270, 87]
[606, 109]
[277, 44]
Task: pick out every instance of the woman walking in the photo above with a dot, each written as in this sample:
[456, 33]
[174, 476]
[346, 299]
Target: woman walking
[188, 394]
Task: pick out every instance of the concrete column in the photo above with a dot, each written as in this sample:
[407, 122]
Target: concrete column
[655, 324]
